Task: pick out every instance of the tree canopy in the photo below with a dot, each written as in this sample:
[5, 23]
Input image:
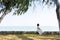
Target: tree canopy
[21, 5]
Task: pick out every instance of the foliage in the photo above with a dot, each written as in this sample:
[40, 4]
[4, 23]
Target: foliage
[50, 2]
[21, 5]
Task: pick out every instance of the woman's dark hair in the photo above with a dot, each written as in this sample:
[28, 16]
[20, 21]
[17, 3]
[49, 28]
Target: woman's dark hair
[37, 24]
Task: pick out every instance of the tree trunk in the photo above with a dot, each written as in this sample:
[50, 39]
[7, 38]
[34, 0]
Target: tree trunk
[58, 16]
[59, 26]
[59, 20]
[1, 18]
[3, 15]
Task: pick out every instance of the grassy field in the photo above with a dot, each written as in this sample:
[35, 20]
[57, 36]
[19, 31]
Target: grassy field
[28, 37]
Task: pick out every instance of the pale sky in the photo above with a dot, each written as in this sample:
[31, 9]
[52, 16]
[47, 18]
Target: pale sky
[45, 16]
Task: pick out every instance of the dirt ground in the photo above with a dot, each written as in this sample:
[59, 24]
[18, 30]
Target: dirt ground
[28, 37]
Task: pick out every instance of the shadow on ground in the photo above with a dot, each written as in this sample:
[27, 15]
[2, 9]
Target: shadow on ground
[23, 37]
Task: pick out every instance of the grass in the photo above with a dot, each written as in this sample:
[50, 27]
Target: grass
[28, 37]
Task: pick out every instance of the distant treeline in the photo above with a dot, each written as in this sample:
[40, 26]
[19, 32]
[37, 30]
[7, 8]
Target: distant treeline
[27, 32]
[50, 33]
[17, 32]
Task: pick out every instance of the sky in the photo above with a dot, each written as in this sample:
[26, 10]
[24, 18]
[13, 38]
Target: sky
[43, 14]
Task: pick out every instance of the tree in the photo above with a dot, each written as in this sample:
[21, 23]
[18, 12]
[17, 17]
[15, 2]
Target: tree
[8, 5]
[57, 9]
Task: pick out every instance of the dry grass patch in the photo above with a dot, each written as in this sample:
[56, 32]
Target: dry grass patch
[28, 37]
